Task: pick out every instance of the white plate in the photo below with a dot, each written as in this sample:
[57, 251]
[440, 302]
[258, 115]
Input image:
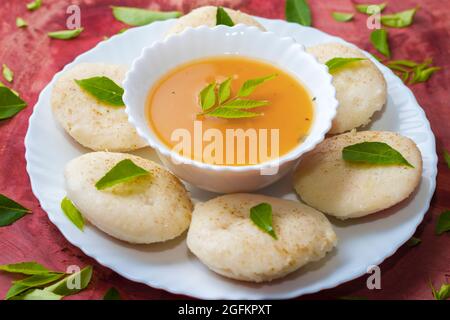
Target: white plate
[170, 266]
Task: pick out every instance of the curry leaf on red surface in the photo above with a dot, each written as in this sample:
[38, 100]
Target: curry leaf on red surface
[399, 19]
[34, 5]
[65, 34]
[443, 223]
[370, 8]
[298, 11]
[8, 74]
[28, 268]
[65, 286]
[112, 294]
[342, 16]
[10, 211]
[379, 39]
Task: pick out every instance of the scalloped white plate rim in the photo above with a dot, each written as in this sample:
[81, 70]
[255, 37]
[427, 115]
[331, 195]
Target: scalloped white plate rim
[232, 290]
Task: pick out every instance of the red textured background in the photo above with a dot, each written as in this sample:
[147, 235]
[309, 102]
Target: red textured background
[35, 59]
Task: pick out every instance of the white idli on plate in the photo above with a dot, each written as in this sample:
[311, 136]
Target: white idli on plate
[224, 238]
[207, 16]
[360, 87]
[149, 209]
[344, 189]
[91, 123]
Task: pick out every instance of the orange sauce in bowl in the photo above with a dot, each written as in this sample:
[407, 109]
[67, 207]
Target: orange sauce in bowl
[173, 110]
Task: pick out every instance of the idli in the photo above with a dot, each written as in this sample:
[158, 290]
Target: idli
[148, 209]
[360, 86]
[207, 16]
[224, 238]
[345, 189]
[91, 123]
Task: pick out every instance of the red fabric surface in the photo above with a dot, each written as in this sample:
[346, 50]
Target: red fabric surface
[35, 59]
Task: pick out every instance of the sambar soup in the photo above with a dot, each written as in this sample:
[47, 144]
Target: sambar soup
[229, 110]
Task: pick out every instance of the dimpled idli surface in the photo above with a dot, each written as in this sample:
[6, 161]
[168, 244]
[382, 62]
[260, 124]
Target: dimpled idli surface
[224, 238]
[93, 124]
[207, 16]
[148, 209]
[344, 189]
[360, 86]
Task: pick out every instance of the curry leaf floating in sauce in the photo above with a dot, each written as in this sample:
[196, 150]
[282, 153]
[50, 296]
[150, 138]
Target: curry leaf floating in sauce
[230, 113]
[225, 90]
[261, 215]
[10, 103]
[245, 104]
[222, 18]
[298, 11]
[231, 108]
[399, 19]
[208, 96]
[34, 5]
[342, 16]
[65, 34]
[10, 211]
[374, 153]
[379, 39]
[364, 8]
[104, 89]
[123, 171]
[250, 85]
[72, 213]
[337, 63]
[139, 17]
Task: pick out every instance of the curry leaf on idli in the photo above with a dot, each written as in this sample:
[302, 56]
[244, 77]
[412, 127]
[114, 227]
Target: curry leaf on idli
[222, 18]
[123, 171]
[139, 17]
[104, 89]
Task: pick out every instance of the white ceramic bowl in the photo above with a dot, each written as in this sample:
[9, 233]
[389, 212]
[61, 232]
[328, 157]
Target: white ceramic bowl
[196, 43]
